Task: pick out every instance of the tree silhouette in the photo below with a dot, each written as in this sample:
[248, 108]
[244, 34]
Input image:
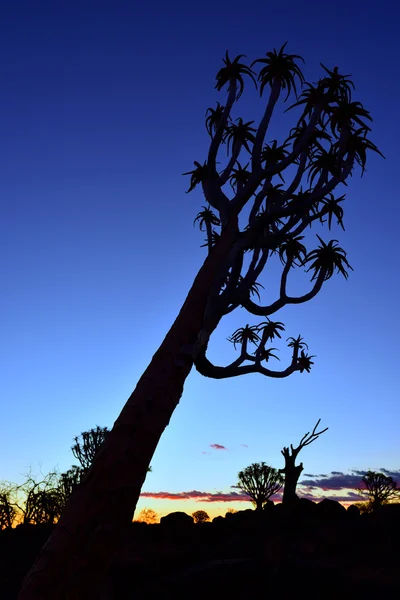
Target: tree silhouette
[87, 445]
[260, 482]
[200, 516]
[291, 470]
[277, 202]
[38, 501]
[7, 510]
[231, 511]
[379, 488]
[148, 515]
[69, 481]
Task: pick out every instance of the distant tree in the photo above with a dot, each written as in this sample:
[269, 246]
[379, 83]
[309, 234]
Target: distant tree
[261, 197]
[200, 516]
[7, 510]
[148, 515]
[231, 511]
[260, 482]
[291, 471]
[379, 488]
[363, 507]
[69, 481]
[87, 445]
[38, 500]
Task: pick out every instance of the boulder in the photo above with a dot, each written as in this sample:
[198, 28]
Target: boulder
[177, 520]
[330, 509]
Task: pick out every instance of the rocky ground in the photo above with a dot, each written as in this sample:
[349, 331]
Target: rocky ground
[320, 553]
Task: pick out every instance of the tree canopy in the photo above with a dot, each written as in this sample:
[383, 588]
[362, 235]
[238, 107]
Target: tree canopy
[260, 482]
[283, 188]
[379, 488]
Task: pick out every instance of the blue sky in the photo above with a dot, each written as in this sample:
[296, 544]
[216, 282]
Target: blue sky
[102, 110]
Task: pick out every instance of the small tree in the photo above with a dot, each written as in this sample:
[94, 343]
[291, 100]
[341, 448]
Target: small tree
[260, 201]
[200, 516]
[87, 445]
[38, 501]
[148, 515]
[7, 510]
[363, 507]
[260, 482]
[291, 471]
[69, 481]
[379, 488]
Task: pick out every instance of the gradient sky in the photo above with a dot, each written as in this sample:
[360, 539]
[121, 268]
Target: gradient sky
[102, 110]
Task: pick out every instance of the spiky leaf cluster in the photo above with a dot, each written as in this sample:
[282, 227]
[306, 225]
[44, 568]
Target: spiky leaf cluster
[281, 189]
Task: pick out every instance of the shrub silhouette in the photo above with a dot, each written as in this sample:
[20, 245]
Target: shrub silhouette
[200, 516]
[147, 515]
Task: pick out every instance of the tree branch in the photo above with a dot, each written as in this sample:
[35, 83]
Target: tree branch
[263, 127]
[211, 186]
[300, 146]
[264, 311]
[297, 178]
[235, 369]
[223, 178]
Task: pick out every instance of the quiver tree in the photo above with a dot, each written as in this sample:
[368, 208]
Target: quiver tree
[260, 482]
[85, 448]
[69, 481]
[279, 189]
[379, 489]
[87, 445]
[291, 470]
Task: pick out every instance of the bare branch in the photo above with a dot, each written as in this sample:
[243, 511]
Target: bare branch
[264, 311]
[309, 438]
[297, 178]
[262, 129]
[223, 178]
[211, 185]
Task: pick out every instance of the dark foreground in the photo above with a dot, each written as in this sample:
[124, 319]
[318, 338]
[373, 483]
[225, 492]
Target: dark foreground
[320, 551]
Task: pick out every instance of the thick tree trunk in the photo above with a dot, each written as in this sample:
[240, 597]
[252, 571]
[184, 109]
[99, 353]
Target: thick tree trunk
[74, 562]
[292, 474]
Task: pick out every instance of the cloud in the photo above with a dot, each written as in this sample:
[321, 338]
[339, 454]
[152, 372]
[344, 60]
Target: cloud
[335, 481]
[211, 497]
[394, 474]
[206, 452]
[229, 497]
[310, 488]
[218, 447]
[341, 481]
[198, 496]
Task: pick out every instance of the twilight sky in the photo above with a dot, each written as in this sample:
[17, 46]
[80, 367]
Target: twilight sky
[102, 110]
